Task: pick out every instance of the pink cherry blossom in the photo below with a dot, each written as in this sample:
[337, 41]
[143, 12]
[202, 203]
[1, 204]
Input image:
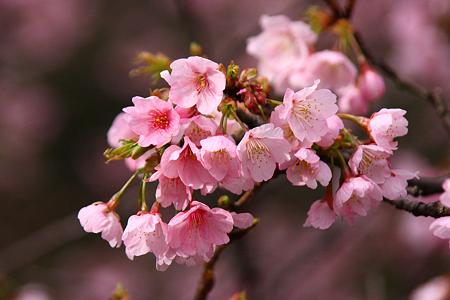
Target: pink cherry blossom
[320, 215]
[307, 169]
[242, 220]
[386, 125]
[284, 125]
[441, 228]
[445, 196]
[371, 160]
[144, 233]
[199, 128]
[195, 81]
[120, 130]
[185, 163]
[198, 230]
[437, 288]
[333, 68]
[153, 119]
[352, 101]
[357, 196]
[171, 191]
[307, 111]
[98, 217]
[334, 124]
[218, 155]
[261, 149]
[394, 187]
[281, 44]
[371, 84]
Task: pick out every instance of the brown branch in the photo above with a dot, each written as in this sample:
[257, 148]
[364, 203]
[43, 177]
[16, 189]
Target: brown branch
[334, 6]
[433, 96]
[349, 8]
[435, 209]
[207, 280]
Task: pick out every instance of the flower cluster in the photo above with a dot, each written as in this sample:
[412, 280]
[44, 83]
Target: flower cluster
[214, 127]
[286, 56]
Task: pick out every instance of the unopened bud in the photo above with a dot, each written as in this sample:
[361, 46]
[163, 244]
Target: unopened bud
[371, 84]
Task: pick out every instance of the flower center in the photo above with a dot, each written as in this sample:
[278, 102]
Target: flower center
[303, 110]
[159, 119]
[196, 219]
[256, 149]
[201, 82]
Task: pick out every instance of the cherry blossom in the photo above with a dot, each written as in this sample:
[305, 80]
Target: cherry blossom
[371, 84]
[356, 196]
[199, 128]
[171, 191]
[445, 196]
[307, 169]
[261, 149]
[441, 228]
[371, 160]
[334, 124]
[307, 110]
[195, 81]
[144, 233]
[352, 101]
[153, 119]
[242, 220]
[394, 187]
[98, 217]
[197, 230]
[320, 215]
[218, 155]
[120, 130]
[386, 125]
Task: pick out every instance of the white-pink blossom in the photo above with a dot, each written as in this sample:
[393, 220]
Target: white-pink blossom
[198, 230]
[198, 128]
[371, 160]
[356, 196]
[307, 111]
[153, 119]
[371, 84]
[334, 124]
[185, 163]
[261, 149]
[445, 196]
[441, 228]
[242, 220]
[144, 233]
[120, 130]
[218, 154]
[352, 101]
[320, 215]
[171, 191]
[282, 44]
[307, 169]
[386, 125]
[394, 187]
[98, 217]
[195, 81]
[334, 69]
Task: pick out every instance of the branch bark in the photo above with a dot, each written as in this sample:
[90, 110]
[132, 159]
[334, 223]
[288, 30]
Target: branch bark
[435, 209]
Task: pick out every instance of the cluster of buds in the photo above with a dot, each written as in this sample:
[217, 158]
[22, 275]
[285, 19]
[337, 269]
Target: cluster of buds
[190, 137]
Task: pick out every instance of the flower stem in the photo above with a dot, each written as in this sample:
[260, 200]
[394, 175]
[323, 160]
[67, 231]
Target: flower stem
[142, 203]
[274, 102]
[115, 199]
[360, 121]
[235, 116]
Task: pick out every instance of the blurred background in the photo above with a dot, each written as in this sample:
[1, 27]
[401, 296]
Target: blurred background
[64, 68]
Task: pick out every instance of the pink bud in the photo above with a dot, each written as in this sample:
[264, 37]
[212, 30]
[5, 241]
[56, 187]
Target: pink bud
[371, 84]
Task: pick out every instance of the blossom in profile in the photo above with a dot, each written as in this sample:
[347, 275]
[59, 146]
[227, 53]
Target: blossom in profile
[307, 111]
[185, 163]
[356, 196]
[199, 128]
[218, 154]
[120, 130]
[197, 231]
[394, 187]
[153, 119]
[441, 228]
[98, 217]
[195, 81]
[282, 44]
[334, 124]
[307, 169]
[171, 191]
[320, 215]
[371, 160]
[445, 196]
[387, 124]
[352, 101]
[144, 233]
[261, 149]
[334, 69]
[242, 220]
[371, 84]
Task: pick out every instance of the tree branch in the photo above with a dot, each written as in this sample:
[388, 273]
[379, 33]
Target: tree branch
[435, 209]
[433, 97]
[207, 280]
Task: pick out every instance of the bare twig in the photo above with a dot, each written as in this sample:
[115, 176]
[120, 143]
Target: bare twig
[435, 209]
[207, 280]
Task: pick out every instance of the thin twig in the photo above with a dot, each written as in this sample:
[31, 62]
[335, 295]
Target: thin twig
[207, 280]
[433, 97]
[435, 209]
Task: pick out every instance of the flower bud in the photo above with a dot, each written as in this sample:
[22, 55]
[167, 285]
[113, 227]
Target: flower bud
[371, 84]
